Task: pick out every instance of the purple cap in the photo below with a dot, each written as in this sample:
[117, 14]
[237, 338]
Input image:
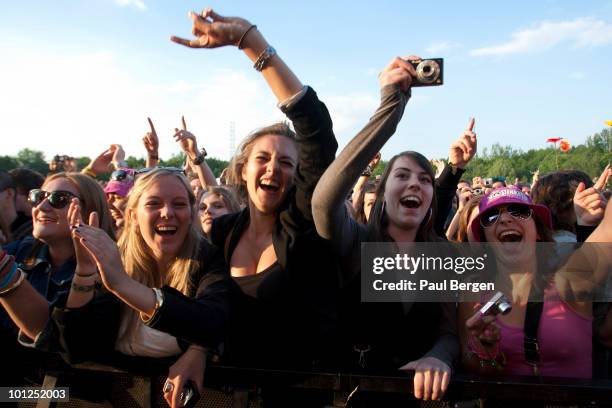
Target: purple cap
[508, 195]
[121, 182]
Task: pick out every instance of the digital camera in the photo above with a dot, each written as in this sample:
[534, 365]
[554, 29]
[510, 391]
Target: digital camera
[498, 304]
[429, 72]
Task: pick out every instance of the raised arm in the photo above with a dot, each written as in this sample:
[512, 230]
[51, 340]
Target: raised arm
[151, 144]
[213, 30]
[460, 153]
[329, 209]
[316, 142]
[188, 143]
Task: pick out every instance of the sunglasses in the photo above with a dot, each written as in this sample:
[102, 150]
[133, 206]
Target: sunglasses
[57, 199]
[120, 175]
[520, 211]
[149, 169]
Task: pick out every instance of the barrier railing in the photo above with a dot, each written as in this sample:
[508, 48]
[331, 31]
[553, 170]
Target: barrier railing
[92, 384]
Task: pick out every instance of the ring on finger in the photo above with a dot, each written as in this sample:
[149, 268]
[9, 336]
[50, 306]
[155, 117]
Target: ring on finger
[168, 387]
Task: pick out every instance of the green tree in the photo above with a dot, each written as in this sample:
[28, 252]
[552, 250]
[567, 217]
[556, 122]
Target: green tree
[33, 159]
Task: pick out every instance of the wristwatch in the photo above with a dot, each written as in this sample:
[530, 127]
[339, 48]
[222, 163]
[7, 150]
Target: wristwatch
[200, 157]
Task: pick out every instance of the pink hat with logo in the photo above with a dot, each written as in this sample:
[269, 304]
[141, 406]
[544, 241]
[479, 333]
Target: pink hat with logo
[121, 182]
[504, 196]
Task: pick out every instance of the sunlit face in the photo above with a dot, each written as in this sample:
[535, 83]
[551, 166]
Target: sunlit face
[516, 234]
[408, 194]
[196, 186]
[116, 205]
[477, 181]
[163, 216]
[269, 172]
[51, 224]
[463, 185]
[211, 207]
[511, 228]
[368, 203]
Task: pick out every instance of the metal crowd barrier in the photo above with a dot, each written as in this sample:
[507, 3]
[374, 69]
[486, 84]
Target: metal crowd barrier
[93, 385]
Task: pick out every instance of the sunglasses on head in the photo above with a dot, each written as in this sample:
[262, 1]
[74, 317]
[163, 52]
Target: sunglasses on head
[520, 211]
[149, 169]
[57, 199]
[120, 175]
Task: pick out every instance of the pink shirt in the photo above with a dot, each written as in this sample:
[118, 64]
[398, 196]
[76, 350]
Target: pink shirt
[565, 339]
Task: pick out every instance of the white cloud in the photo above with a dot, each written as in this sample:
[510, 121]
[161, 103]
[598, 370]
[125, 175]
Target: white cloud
[139, 4]
[438, 47]
[350, 112]
[583, 32]
[80, 104]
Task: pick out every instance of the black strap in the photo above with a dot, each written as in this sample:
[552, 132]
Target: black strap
[531, 345]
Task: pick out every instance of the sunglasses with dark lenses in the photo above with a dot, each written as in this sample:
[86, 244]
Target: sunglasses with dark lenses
[520, 211]
[57, 199]
[119, 175]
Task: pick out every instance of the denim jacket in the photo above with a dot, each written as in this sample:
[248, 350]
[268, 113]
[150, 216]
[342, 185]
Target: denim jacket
[52, 283]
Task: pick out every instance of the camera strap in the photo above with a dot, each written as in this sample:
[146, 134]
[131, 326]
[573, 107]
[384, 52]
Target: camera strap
[531, 345]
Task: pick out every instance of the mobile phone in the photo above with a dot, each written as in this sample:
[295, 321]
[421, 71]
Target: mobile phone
[189, 396]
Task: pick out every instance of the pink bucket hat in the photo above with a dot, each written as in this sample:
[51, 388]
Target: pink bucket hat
[504, 196]
[121, 182]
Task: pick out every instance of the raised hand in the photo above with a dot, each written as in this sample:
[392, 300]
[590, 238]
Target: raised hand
[399, 72]
[86, 264]
[102, 163]
[213, 30]
[104, 252]
[151, 141]
[463, 149]
[602, 180]
[186, 140]
[589, 205]
[118, 159]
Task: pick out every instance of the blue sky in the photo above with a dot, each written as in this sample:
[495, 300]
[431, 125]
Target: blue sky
[80, 75]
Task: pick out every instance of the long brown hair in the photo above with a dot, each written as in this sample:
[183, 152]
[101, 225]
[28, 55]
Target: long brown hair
[234, 172]
[91, 198]
[379, 221]
[464, 218]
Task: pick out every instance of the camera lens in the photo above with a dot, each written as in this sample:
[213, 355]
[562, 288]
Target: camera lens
[428, 71]
[504, 307]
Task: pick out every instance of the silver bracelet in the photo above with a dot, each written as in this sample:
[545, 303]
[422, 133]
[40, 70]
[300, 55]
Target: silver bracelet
[264, 57]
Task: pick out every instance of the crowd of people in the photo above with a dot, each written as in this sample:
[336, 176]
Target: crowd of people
[261, 267]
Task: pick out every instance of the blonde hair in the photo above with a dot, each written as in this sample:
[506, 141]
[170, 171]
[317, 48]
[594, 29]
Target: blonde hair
[138, 259]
